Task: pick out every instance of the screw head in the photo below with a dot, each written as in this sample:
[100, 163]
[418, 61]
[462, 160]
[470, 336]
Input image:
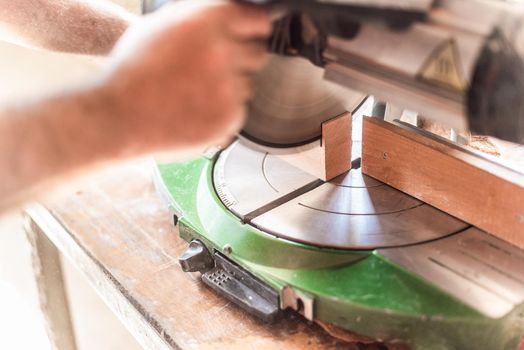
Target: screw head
[384, 155]
[227, 249]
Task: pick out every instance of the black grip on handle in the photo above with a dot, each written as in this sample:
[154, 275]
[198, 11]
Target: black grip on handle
[495, 100]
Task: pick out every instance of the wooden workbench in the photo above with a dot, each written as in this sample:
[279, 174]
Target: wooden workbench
[116, 230]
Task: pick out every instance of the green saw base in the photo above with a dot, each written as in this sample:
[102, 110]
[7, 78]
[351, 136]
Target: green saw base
[357, 290]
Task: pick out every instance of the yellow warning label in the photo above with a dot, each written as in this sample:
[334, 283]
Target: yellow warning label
[443, 67]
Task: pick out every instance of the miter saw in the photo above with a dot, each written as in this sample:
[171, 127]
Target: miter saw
[353, 251]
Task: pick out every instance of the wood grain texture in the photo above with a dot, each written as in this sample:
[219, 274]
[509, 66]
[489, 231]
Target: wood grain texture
[116, 229]
[336, 142]
[447, 176]
[52, 296]
[328, 157]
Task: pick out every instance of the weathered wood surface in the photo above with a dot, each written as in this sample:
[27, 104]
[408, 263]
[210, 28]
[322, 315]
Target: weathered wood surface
[52, 295]
[116, 229]
[446, 176]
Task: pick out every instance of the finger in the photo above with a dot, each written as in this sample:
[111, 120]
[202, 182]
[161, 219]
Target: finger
[235, 121]
[249, 56]
[225, 142]
[242, 84]
[247, 22]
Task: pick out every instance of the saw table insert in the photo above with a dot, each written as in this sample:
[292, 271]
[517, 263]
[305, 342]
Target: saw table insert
[353, 211]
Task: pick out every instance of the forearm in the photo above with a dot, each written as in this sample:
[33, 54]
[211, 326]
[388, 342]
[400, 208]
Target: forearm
[72, 26]
[155, 95]
[44, 141]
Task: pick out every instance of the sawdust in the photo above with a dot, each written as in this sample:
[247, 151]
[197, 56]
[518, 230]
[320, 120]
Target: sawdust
[484, 145]
[365, 343]
[434, 128]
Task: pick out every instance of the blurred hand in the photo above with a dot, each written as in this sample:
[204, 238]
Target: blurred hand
[180, 78]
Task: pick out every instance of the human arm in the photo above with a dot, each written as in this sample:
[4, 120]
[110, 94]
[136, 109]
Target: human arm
[73, 26]
[178, 80]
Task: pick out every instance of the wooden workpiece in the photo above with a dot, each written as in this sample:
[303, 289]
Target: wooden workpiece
[52, 294]
[116, 229]
[328, 157]
[449, 177]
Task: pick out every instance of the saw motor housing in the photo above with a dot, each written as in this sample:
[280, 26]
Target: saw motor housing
[458, 62]
[470, 76]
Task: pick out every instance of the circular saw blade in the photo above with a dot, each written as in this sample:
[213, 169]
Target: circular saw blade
[292, 100]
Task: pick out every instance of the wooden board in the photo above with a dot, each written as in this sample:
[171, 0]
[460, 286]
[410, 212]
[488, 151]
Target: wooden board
[117, 231]
[447, 176]
[328, 157]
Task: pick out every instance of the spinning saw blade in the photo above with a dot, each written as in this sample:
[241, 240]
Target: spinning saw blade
[292, 100]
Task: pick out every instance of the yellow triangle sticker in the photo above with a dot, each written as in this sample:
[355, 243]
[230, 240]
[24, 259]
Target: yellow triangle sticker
[443, 67]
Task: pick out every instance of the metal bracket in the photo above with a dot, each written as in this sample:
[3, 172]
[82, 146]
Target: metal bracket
[299, 301]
